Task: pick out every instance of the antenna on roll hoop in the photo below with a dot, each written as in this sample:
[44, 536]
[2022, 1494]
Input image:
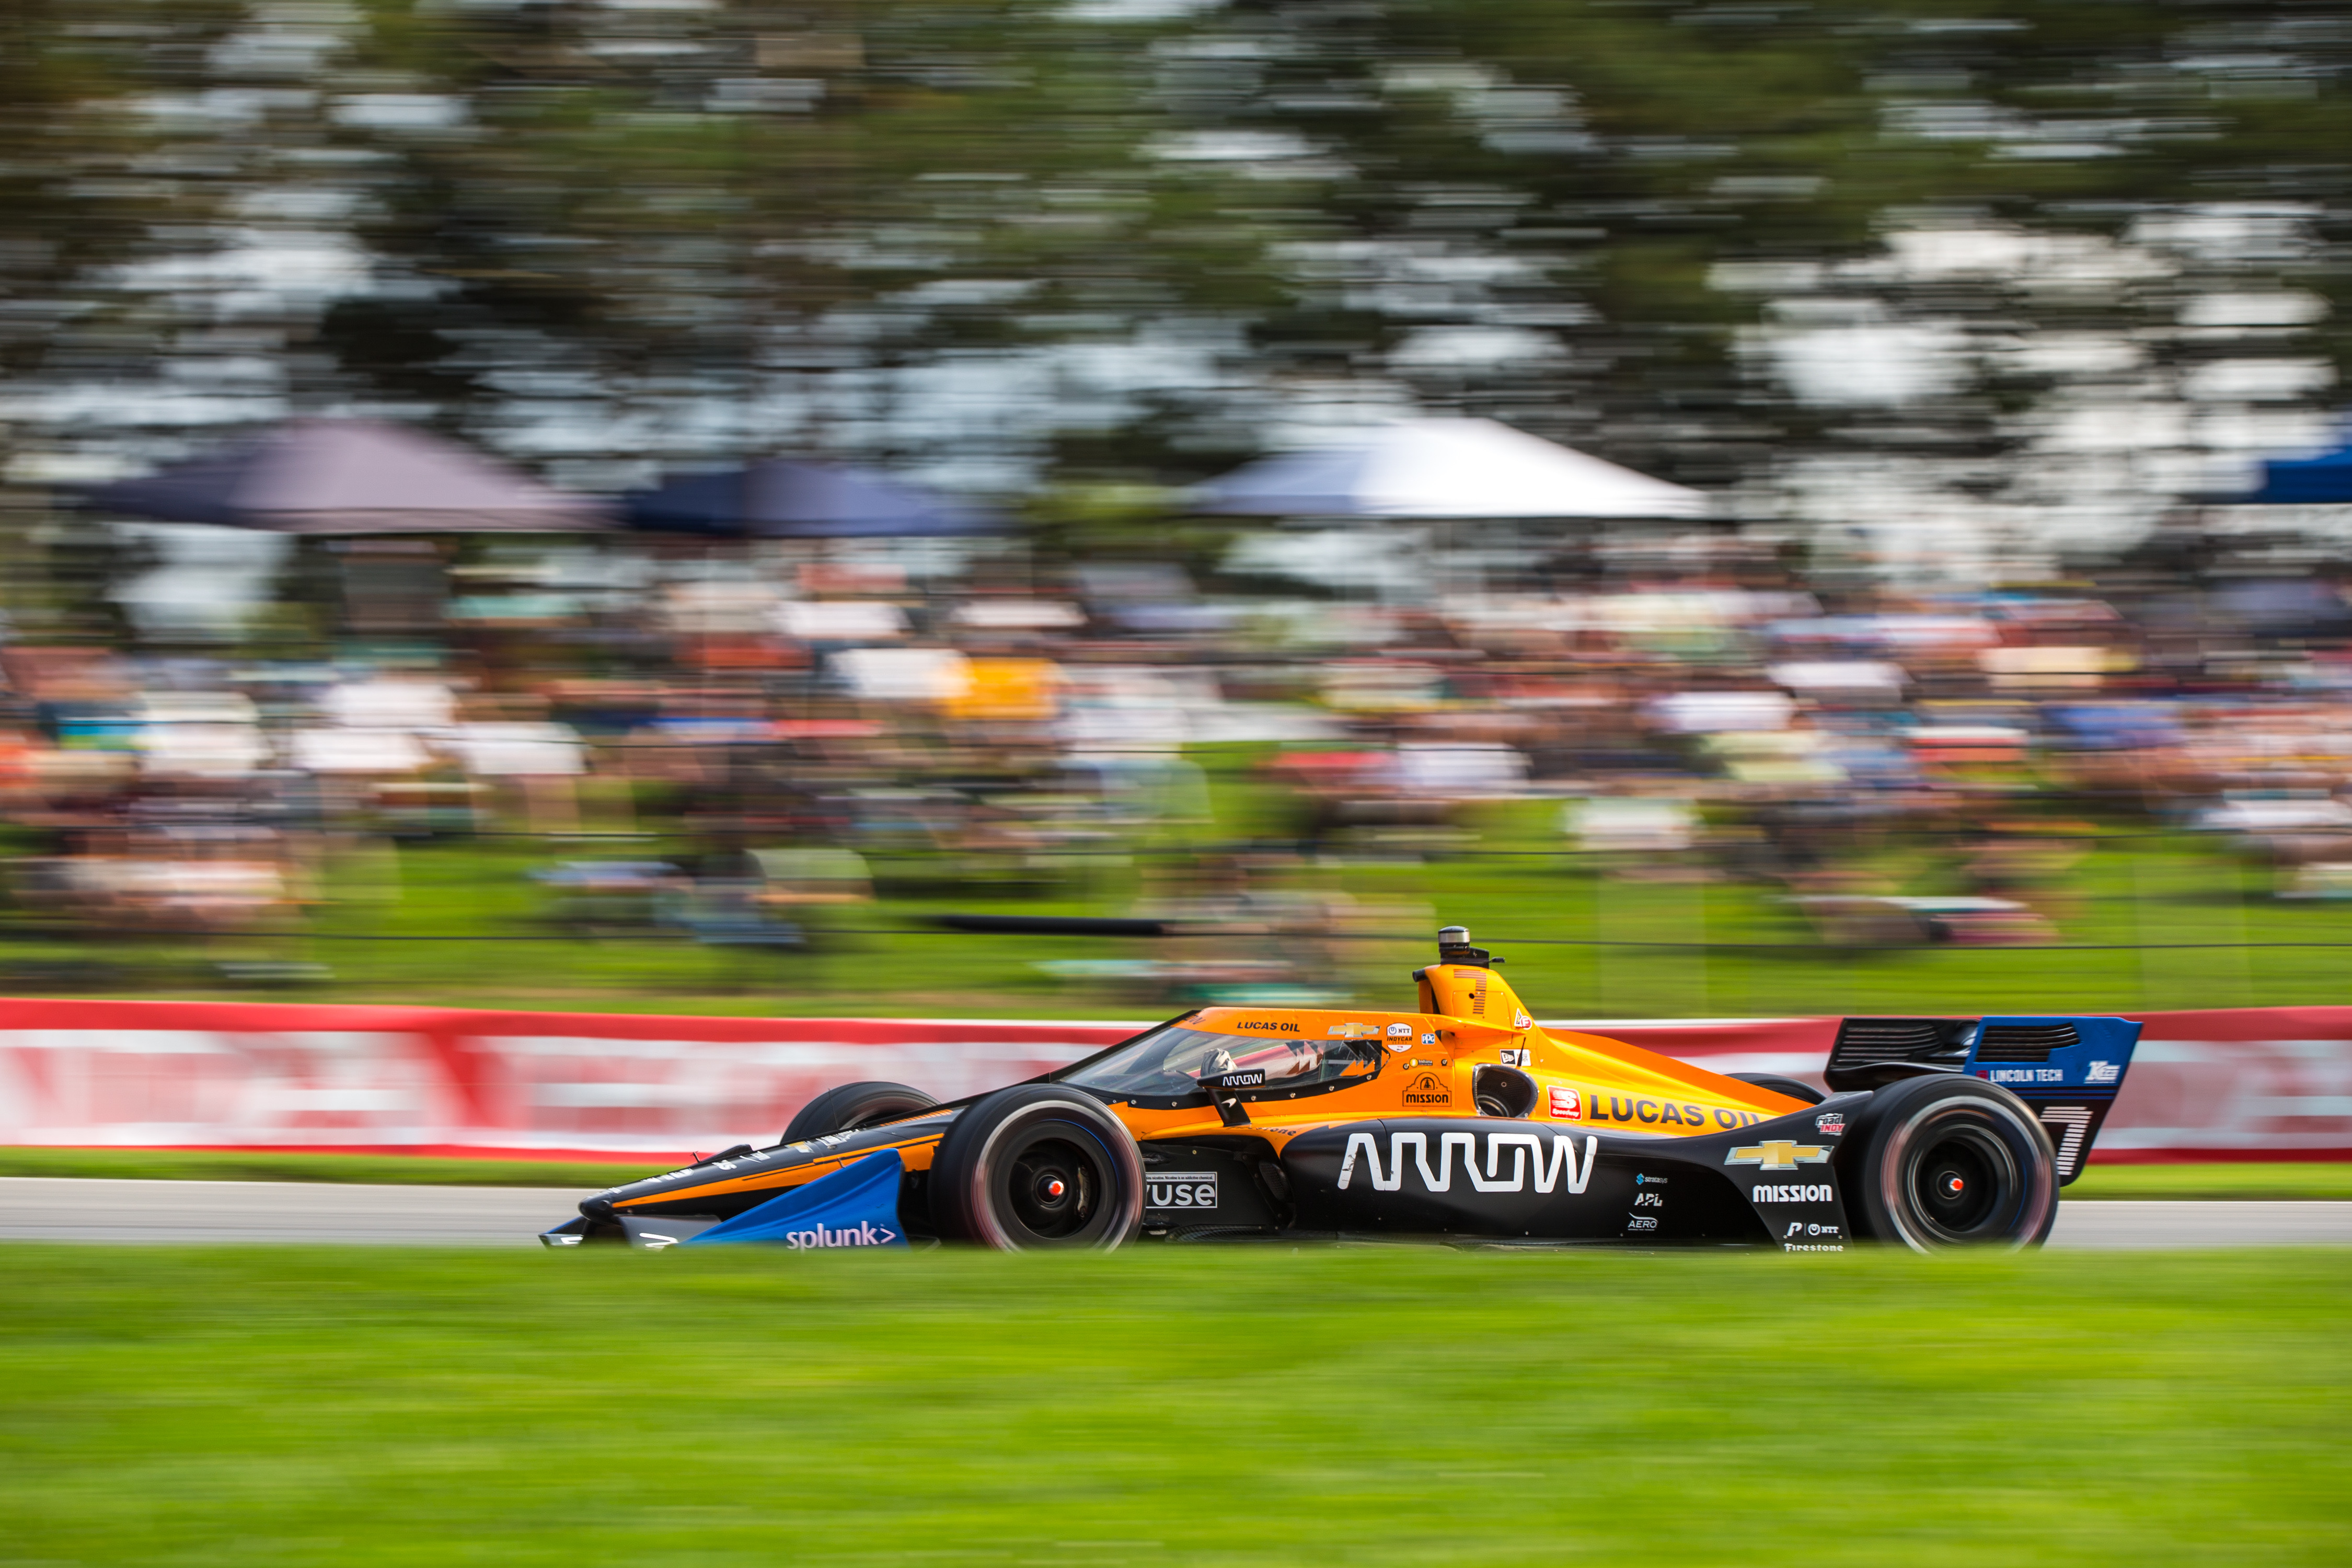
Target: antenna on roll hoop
[1454, 947]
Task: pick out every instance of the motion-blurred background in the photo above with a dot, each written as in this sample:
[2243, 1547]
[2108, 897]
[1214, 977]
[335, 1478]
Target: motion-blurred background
[935, 526]
[1086, 509]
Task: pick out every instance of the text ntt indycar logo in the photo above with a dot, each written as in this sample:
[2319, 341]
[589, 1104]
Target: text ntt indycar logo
[862, 1234]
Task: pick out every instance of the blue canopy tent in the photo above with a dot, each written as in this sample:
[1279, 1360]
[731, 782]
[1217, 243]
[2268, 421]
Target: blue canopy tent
[784, 499]
[2307, 481]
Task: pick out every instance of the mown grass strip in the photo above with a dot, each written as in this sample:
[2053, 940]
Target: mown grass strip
[2252, 1179]
[1370, 1406]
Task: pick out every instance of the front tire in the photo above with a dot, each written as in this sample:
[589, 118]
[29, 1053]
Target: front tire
[855, 1105]
[1939, 1161]
[1037, 1166]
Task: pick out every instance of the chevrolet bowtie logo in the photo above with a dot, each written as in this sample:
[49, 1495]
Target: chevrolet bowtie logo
[1778, 1154]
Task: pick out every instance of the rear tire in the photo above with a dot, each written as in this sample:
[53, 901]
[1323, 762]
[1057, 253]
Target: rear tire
[1791, 1086]
[1937, 1162]
[1037, 1166]
[855, 1105]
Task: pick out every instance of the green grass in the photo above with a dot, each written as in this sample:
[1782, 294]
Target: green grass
[242, 1165]
[2283, 1180]
[2254, 1179]
[462, 923]
[463, 934]
[253, 1407]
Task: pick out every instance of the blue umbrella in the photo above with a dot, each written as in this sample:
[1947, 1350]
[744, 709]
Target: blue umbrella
[2311, 482]
[2306, 481]
[783, 499]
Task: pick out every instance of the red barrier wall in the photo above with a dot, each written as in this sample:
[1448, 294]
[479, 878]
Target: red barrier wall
[187, 1074]
[2270, 1083]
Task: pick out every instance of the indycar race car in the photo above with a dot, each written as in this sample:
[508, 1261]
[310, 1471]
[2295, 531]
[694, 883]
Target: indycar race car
[1462, 1120]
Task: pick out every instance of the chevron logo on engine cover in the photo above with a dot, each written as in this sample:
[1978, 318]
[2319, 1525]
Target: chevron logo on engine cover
[1778, 1154]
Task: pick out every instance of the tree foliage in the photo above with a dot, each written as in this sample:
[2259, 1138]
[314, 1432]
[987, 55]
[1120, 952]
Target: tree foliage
[1075, 238]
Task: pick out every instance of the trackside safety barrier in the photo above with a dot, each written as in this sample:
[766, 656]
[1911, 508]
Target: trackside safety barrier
[2253, 1083]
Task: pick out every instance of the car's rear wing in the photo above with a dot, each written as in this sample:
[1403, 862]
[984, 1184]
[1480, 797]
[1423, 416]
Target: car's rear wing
[2067, 1069]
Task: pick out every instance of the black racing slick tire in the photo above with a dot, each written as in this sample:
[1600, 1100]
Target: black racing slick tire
[1791, 1086]
[1938, 1162]
[1037, 1166]
[855, 1105]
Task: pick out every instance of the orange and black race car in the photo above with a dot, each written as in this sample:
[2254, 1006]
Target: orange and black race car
[1461, 1121]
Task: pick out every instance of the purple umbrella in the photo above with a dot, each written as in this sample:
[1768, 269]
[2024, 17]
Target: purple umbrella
[349, 477]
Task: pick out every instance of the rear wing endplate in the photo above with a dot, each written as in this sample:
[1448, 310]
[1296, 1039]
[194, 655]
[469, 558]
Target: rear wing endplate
[2067, 1069]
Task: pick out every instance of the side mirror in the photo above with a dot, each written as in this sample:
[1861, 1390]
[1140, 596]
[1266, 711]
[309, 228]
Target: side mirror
[1221, 1087]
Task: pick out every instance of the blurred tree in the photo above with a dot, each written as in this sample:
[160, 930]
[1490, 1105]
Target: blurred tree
[1115, 241]
[91, 183]
[93, 191]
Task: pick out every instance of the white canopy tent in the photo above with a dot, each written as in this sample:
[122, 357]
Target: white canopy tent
[1442, 469]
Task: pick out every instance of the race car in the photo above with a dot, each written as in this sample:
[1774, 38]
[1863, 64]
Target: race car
[1463, 1121]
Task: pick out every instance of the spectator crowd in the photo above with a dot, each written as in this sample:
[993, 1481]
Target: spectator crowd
[788, 722]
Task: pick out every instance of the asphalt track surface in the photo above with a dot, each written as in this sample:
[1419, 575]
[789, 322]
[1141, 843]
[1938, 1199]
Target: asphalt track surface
[60, 1208]
[45, 1208]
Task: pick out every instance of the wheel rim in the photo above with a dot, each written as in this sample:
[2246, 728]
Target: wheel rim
[1057, 1188]
[1959, 1184]
[1958, 1180]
